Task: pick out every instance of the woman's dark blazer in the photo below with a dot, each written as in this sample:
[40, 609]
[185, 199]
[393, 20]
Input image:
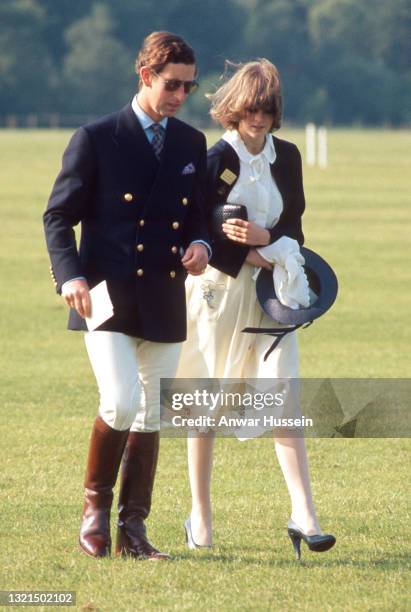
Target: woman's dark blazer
[223, 169]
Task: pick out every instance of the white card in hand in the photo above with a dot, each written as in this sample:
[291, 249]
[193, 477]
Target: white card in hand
[101, 306]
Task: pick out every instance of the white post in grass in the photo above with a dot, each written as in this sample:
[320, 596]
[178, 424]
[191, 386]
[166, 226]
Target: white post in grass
[310, 134]
[322, 147]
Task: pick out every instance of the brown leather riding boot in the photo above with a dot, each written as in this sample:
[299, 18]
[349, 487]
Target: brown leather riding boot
[106, 450]
[137, 480]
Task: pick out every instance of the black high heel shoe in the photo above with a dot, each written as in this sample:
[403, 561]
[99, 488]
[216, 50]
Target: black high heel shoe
[189, 537]
[316, 542]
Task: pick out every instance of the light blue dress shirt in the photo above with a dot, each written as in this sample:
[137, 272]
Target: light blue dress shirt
[145, 120]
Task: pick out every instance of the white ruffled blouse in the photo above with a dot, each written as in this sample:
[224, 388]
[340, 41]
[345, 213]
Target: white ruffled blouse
[255, 187]
[257, 190]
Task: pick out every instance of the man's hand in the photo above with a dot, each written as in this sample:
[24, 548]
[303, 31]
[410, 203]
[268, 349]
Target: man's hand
[246, 232]
[195, 259]
[76, 294]
[254, 259]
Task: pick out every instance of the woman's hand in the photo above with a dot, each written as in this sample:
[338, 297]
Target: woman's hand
[246, 232]
[254, 259]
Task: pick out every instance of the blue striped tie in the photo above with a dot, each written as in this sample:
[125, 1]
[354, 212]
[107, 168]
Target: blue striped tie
[158, 141]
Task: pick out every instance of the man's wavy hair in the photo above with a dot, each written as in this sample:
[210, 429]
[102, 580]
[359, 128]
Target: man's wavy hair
[254, 86]
[161, 48]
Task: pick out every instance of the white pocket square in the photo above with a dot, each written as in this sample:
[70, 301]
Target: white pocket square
[189, 169]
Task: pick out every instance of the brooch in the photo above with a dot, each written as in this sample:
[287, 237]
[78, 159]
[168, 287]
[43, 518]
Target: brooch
[208, 295]
[209, 292]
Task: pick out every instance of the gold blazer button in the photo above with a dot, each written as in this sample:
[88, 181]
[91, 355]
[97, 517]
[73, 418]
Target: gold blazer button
[174, 249]
[184, 201]
[140, 272]
[140, 247]
[172, 274]
[176, 225]
[128, 197]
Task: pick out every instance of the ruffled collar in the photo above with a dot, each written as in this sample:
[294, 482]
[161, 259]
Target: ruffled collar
[234, 139]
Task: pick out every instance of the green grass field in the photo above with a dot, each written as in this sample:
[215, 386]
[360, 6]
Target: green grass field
[358, 217]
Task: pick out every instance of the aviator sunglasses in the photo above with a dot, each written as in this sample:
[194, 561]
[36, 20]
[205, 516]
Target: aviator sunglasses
[174, 84]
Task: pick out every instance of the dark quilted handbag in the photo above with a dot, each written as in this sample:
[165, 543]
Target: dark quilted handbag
[221, 213]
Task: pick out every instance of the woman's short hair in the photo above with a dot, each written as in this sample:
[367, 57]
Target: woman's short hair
[161, 48]
[254, 86]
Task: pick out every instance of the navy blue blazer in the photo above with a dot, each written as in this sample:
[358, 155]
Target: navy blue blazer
[136, 215]
[223, 169]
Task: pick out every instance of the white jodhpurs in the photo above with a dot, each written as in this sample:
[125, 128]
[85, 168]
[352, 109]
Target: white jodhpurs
[128, 372]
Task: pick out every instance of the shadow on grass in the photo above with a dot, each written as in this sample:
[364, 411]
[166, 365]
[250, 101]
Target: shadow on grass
[311, 559]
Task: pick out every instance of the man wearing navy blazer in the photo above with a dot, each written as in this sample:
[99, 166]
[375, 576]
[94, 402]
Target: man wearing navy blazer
[135, 182]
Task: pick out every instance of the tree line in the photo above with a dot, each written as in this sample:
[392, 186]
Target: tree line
[342, 62]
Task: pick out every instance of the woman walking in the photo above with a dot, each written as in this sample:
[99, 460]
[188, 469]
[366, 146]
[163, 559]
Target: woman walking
[247, 166]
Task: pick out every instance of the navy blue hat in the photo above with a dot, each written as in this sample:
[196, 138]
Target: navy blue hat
[322, 282]
[323, 287]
